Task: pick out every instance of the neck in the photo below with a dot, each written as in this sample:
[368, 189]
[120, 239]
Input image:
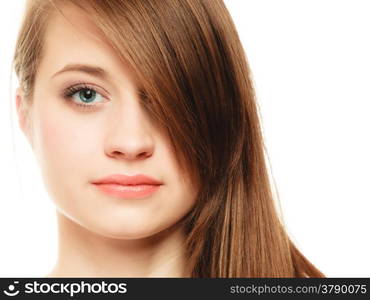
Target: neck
[83, 253]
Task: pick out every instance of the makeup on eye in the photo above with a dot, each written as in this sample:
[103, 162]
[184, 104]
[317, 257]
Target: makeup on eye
[82, 93]
[86, 95]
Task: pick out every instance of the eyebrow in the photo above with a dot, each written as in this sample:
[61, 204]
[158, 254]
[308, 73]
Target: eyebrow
[89, 69]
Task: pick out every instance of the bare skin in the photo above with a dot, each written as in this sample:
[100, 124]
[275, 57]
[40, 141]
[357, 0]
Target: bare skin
[85, 254]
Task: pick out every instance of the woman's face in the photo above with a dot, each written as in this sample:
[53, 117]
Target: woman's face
[76, 145]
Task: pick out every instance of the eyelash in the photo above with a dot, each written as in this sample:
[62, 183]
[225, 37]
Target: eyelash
[74, 89]
[71, 90]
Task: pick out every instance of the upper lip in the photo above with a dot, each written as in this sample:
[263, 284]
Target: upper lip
[128, 180]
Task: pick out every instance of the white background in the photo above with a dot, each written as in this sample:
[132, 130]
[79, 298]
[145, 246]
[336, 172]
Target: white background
[311, 67]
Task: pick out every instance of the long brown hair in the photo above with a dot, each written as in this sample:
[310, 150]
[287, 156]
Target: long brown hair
[196, 84]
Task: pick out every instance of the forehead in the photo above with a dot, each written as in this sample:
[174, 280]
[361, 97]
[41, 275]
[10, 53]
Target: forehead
[72, 38]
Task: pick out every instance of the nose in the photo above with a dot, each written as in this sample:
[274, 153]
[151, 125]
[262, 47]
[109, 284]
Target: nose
[131, 153]
[129, 137]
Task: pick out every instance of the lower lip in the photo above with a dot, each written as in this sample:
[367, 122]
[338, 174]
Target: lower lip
[128, 191]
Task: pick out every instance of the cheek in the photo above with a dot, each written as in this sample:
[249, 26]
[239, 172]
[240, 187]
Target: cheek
[59, 138]
[64, 143]
[181, 191]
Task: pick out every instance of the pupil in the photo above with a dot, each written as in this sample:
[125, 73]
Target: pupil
[87, 94]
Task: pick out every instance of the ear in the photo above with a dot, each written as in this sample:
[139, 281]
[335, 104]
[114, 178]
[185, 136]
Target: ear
[23, 120]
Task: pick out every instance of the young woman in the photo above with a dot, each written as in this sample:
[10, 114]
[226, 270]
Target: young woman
[143, 118]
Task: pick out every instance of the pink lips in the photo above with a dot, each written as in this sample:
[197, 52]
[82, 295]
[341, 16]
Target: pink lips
[129, 187]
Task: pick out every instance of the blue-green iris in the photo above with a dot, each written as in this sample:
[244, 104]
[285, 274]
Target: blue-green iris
[87, 95]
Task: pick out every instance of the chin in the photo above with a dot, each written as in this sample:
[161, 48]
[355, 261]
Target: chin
[130, 232]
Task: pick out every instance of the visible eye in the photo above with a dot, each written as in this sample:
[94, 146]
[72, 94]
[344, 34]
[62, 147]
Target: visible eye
[83, 94]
